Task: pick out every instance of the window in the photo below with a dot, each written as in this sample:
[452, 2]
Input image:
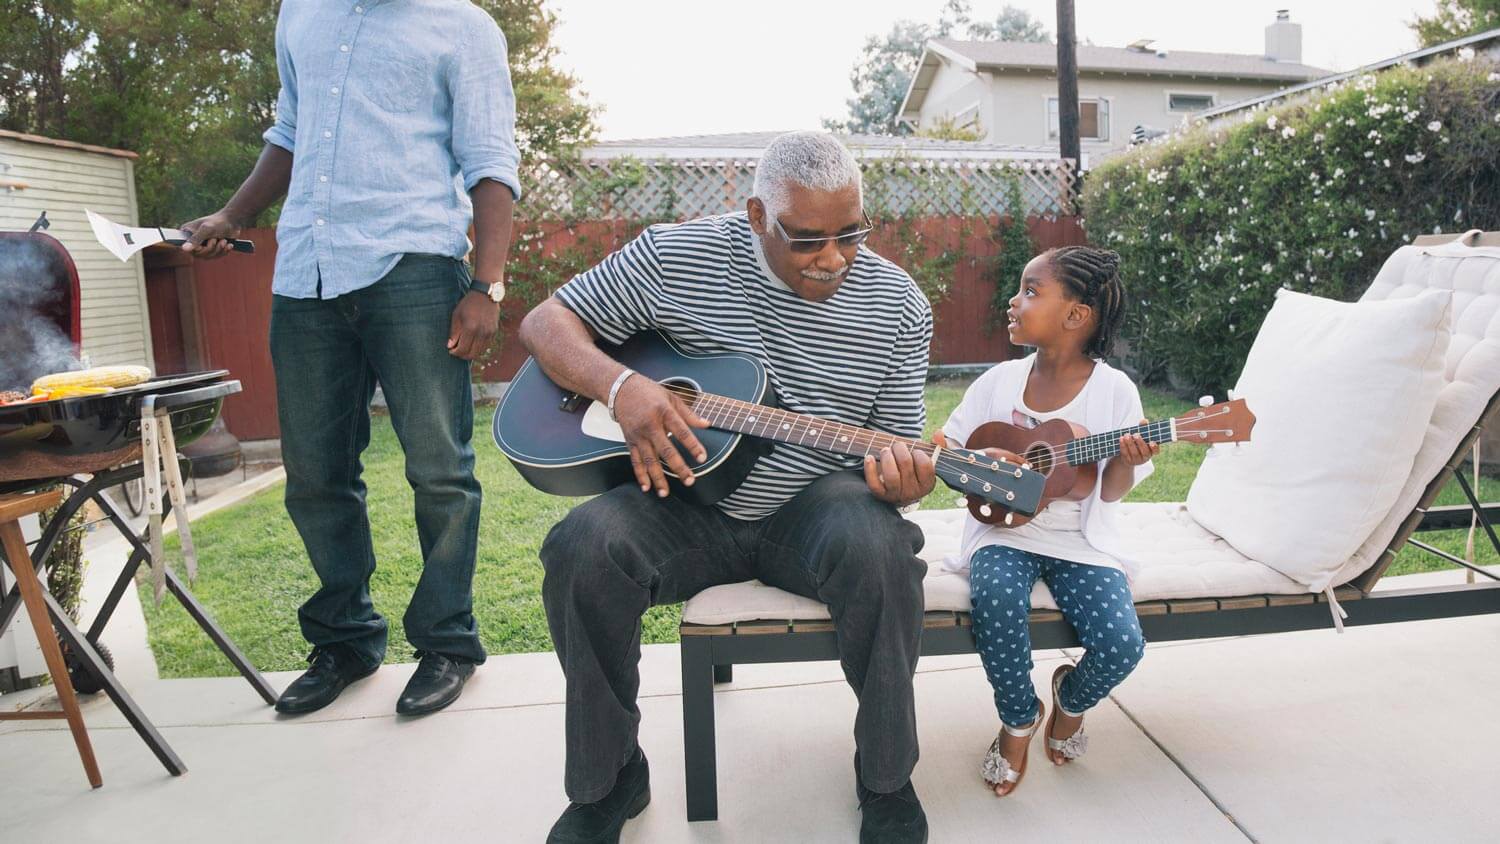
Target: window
[1093, 119]
[1189, 102]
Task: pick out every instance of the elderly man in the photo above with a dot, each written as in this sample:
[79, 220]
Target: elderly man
[394, 128]
[844, 335]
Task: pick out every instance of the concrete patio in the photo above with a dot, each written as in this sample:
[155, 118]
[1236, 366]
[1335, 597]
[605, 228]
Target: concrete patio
[1378, 734]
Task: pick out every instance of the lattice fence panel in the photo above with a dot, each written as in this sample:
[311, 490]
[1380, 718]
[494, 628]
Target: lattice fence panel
[679, 189]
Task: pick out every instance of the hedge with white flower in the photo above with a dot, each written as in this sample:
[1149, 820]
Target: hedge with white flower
[1313, 195]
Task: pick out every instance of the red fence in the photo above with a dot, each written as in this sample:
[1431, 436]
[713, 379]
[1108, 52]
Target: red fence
[217, 315]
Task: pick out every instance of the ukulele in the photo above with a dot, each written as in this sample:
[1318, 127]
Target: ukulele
[1068, 455]
[565, 444]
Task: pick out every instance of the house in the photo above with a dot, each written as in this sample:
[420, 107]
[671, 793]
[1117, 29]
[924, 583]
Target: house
[1483, 43]
[60, 177]
[1008, 90]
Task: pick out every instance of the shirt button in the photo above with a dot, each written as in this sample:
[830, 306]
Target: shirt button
[327, 134]
[333, 90]
[322, 178]
[359, 9]
[343, 48]
[320, 221]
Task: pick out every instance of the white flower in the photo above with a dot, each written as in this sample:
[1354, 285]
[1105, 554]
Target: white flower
[1369, 213]
[1266, 267]
[1374, 133]
[1416, 158]
[1287, 132]
[1493, 77]
[1435, 126]
[1369, 153]
[1318, 137]
[1465, 54]
[1385, 161]
[1271, 122]
[1337, 173]
[1352, 234]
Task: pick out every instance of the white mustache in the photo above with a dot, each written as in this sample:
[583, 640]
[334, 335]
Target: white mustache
[816, 275]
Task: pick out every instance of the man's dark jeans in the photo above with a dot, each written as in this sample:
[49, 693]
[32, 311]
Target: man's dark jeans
[328, 357]
[625, 551]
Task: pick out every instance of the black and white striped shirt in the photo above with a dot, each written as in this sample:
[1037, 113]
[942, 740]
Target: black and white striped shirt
[860, 357]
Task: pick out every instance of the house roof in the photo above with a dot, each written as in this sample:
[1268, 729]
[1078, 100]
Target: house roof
[1091, 59]
[1488, 39]
[750, 145]
[57, 142]
[1033, 56]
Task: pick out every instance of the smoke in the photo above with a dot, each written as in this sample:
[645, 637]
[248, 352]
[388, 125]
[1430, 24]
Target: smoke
[31, 343]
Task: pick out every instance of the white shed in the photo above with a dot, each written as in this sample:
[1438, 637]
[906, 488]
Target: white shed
[62, 178]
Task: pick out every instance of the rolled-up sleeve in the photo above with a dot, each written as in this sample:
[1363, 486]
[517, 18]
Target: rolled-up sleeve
[283, 132]
[484, 110]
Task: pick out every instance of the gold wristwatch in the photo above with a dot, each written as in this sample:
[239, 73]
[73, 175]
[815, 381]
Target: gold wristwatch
[495, 290]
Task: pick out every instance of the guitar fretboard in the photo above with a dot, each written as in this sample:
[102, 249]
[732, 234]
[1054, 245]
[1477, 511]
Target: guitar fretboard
[1096, 447]
[771, 423]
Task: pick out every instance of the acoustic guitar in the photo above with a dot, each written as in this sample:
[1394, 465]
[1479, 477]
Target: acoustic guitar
[566, 444]
[1068, 455]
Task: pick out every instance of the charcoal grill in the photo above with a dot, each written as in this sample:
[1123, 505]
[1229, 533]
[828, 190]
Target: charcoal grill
[90, 444]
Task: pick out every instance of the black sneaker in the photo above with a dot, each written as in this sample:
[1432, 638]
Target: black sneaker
[600, 822]
[437, 682]
[889, 818]
[331, 669]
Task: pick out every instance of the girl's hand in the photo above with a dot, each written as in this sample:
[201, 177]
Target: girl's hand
[1135, 451]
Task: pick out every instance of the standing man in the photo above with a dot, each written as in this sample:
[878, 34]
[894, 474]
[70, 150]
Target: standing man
[844, 335]
[394, 131]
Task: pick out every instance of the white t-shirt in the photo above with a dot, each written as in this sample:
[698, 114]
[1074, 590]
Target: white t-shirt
[1077, 531]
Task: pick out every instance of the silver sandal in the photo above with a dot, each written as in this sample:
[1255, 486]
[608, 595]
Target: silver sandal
[996, 770]
[1074, 746]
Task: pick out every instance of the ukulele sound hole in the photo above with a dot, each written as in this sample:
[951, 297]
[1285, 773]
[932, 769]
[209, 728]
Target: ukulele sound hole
[1040, 458]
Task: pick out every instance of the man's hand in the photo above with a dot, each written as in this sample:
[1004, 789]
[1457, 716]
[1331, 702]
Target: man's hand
[209, 237]
[647, 413]
[901, 475]
[475, 323]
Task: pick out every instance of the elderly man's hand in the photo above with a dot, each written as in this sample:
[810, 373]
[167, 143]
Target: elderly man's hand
[901, 475]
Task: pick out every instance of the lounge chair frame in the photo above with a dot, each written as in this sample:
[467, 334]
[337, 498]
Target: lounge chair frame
[710, 652]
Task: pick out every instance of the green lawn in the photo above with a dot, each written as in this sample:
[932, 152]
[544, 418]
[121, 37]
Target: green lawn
[253, 573]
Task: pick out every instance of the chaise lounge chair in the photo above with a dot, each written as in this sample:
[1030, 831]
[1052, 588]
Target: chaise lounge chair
[1195, 585]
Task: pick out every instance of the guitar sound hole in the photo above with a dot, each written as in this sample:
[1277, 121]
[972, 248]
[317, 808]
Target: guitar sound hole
[686, 388]
[1040, 458]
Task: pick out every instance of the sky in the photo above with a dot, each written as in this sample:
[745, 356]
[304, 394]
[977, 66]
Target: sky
[684, 67]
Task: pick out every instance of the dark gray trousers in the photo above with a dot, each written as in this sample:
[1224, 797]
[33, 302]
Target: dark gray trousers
[615, 556]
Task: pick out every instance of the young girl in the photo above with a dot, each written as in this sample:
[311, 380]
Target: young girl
[1068, 307]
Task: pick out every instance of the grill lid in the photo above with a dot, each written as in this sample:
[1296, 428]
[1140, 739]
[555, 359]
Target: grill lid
[39, 309]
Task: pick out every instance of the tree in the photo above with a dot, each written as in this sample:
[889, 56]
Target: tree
[192, 86]
[1455, 19]
[887, 65]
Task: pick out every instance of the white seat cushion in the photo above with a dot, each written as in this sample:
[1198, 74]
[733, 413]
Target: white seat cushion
[1342, 393]
[1179, 560]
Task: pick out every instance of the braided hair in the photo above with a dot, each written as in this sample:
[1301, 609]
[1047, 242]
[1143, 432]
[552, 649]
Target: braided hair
[1092, 276]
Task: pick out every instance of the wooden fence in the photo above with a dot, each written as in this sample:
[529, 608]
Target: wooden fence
[217, 315]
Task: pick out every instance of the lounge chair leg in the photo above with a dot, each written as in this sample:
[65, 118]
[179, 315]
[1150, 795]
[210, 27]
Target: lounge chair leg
[699, 762]
[723, 674]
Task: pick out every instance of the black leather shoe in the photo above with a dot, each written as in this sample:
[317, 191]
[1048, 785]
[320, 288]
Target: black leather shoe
[894, 818]
[332, 668]
[600, 822]
[437, 682]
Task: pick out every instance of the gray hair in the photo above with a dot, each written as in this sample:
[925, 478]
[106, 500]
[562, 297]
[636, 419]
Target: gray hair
[813, 160]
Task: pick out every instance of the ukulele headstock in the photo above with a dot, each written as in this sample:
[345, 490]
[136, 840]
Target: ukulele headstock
[976, 473]
[1225, 422]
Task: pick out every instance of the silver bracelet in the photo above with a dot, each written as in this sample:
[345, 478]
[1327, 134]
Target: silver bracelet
[614, 390]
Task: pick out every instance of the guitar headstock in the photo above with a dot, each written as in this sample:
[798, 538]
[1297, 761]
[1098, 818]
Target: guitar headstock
[1007, 484]
[1225, 422]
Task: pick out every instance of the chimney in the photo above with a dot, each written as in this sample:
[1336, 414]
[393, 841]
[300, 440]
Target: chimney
[1284, 38]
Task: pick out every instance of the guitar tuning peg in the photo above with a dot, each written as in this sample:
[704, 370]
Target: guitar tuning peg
[1205, 401]
[1232, 395]
[960, 501]
[1010, 518]
[984, 510]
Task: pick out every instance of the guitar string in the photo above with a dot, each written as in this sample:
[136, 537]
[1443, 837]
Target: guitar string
[1090, 448]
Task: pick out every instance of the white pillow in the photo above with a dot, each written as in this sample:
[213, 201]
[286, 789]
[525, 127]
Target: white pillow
[1342, 393]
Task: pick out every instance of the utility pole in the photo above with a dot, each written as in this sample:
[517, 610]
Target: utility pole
[1067, 89]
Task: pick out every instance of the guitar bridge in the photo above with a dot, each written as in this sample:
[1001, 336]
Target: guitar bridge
[570, 402]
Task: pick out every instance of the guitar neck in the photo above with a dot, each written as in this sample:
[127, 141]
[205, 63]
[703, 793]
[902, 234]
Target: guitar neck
[758, 420]
[1096, 447]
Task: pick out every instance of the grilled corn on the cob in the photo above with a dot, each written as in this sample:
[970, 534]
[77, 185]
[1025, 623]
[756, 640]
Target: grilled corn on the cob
[85, 382]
